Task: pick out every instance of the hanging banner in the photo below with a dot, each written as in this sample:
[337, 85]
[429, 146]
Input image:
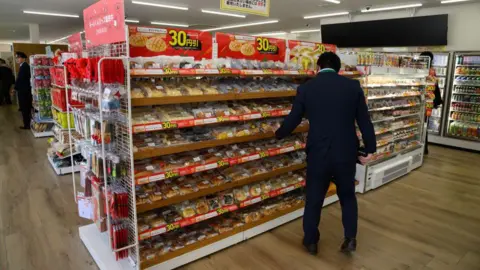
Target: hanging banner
[154, 41]
[76, 44]
[306, 53]
[104, 22]
[250, 48]
[257, 7]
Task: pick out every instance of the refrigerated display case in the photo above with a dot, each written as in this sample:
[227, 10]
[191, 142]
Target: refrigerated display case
[464, 109]
[395, 87]
[441, 64]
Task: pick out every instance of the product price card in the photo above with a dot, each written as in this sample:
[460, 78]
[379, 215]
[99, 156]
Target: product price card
[263, 49]
[306, 54]
[155, 41]
[257, 7]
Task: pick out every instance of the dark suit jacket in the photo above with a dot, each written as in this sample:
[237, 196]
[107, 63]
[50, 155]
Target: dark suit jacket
[22, 84]
[6, 77]
[332, 103]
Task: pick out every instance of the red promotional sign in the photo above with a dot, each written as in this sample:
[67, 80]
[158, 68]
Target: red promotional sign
[104, 22]
[307, 53]
[250, 48]
[154, 41]
[76, 44]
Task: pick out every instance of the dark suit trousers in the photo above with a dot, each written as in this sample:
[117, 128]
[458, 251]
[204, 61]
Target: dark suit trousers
[320, 170]
[25, 102]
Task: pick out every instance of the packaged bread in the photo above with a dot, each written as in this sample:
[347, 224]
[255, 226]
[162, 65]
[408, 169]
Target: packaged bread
[201, 206]
[227, 198]
[156, 196]
[170, 215]
[235, 173]
[222, 133]
[255, 190]
[142, 198]
[186, 209]
[241, 194]
[213, 202]
[203, 183]
[267, 210]
[266, 187]
[157, 222]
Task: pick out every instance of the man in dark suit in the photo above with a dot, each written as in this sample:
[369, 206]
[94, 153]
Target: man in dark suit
[24, 89]
[6, 81]
[332, 104]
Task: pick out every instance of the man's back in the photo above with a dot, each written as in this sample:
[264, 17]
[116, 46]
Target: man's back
[22, 84]
[332, 103]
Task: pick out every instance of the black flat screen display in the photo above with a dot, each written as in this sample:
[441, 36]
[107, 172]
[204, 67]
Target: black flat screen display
[404, 32]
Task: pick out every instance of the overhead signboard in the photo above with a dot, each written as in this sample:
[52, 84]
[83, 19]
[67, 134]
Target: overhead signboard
[257, 7]
[250, 48]
[104, 22]
[154, 41]
[76, 44]
[306, 53]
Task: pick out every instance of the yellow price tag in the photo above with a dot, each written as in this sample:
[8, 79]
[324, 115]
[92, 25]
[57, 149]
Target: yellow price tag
[265, 196]
[171, 174]
[169, 71]
[171, 227]
[222, 163]
[168, 125]
[320, 48]
[267, 71]
[225, 71]
[221, 211]
[263, 154]
[266, 114]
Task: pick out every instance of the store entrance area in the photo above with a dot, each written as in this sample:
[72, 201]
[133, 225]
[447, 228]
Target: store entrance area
[428, 219]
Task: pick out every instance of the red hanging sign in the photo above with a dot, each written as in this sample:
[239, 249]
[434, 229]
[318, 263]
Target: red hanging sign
[76, 44]
[250, 48]
[154, 41]
[306, 53]
[104, 22]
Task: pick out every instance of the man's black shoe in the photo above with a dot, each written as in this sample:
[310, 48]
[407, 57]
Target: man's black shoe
[349, 245]
[312, 249]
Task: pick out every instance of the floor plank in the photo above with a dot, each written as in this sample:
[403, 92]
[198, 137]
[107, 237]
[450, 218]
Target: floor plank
[428, 220]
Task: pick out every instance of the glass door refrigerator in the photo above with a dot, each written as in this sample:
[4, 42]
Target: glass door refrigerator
[441, 64]
[464, 102]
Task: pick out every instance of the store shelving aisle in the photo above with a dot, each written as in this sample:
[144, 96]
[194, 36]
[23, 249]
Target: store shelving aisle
[438, 204]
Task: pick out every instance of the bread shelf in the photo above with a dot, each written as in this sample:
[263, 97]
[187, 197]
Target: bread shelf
[156, 152]
[177, 72]
[176, 124]
[253, 179]
[138, 102]
[218, 212]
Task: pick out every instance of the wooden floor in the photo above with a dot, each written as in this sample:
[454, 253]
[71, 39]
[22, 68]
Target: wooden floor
[428, 220]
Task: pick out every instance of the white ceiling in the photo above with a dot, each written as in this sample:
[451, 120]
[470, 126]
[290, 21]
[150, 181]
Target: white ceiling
[14, 24]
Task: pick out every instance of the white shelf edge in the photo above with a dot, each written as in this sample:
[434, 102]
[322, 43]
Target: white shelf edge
[42, 134]
[63, 171]
[465, 144]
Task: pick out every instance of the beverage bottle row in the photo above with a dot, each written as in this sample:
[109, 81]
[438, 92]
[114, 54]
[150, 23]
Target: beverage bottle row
[467, 89]
[467, 71]
[468, 60]
[464, 130]
[466, 98]
[465, 107]
[466, 117]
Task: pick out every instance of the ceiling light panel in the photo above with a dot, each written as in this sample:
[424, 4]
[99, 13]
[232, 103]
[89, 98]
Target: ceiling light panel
[159, 5]
[326, 15]
[222, 13]
[241, 25]
[280, 33]
[132, 21]
[305, 31]
[392, 8]
[51, 14]
[332, 1]
[453, 1]
[170, 24]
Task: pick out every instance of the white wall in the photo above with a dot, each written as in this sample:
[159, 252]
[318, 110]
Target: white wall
[463, 23]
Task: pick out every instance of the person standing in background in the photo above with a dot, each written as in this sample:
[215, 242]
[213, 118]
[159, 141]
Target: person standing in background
[437, 100]
[332, 104]
[24, 89]
[6, 81]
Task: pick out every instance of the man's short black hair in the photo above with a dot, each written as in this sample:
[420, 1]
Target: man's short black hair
[329, 60]
[429, 54]
[21, 55]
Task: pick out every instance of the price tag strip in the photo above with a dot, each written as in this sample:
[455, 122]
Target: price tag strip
[158, 126]
[217, 212]
[222, 71]
[214, 165]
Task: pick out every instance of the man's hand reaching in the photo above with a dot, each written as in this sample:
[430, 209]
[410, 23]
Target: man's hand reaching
[365, 160]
